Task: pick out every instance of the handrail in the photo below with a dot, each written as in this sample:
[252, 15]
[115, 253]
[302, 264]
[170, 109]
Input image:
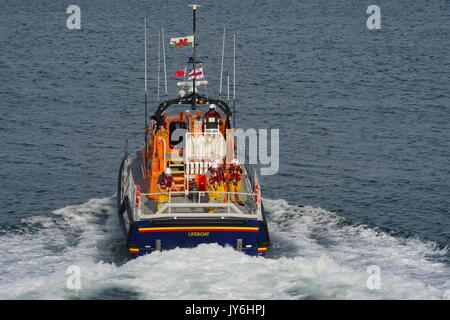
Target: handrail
[197, 215]
[229, 205]
[197, 191]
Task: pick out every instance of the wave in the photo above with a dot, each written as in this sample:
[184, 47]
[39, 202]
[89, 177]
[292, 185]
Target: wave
[315, 255]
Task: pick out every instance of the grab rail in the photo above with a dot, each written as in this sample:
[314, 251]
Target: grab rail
[229, 205]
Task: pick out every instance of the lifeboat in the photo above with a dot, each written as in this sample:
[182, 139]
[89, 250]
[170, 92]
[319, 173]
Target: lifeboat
[187, 212]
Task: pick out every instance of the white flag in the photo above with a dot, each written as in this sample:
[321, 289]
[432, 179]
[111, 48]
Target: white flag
[197, 74]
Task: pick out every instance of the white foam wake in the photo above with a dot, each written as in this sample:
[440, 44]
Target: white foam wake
[314, 256]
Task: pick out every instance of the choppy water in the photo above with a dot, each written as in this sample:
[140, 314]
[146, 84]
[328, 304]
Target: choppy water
[316, 255]
[364, 131]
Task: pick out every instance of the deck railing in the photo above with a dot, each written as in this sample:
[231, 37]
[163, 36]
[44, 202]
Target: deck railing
[231, 208]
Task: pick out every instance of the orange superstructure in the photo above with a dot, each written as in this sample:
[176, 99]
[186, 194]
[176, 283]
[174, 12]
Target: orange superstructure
[167, 147]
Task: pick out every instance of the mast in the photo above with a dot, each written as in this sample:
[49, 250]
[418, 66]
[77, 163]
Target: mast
[194, 53]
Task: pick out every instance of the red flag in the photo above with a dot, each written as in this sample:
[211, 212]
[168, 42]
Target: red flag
[180, 73]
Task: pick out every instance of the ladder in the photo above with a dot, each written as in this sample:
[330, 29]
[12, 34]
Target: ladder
[178, 172]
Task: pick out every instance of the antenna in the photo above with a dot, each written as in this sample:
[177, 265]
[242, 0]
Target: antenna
[145, 68]
[159, 60]
[145, 93]
[234, 80]
[164, 58]
[234, 67]
[228, 85]
[221, 67]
